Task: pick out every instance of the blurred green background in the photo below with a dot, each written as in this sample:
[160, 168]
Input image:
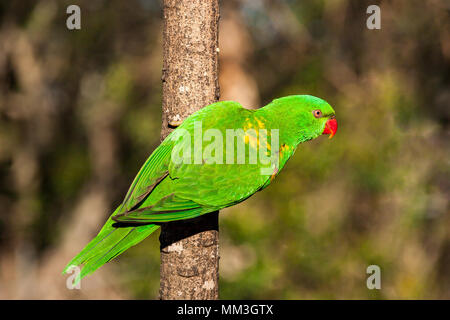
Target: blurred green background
[80, 112]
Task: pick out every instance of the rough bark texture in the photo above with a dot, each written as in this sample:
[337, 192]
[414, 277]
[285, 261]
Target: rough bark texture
[189, 249]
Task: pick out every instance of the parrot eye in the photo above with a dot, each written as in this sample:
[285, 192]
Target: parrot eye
[317, 113]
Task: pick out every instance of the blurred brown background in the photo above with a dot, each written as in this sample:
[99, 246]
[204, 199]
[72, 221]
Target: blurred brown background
[80, 112]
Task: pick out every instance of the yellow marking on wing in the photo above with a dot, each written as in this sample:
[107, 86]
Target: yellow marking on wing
[256, 140]
[285, 148]
[247, 124]
[260, 123]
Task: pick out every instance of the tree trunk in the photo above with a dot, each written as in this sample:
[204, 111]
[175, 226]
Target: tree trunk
[189, 249]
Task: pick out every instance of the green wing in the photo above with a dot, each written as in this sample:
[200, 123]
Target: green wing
[154, 170]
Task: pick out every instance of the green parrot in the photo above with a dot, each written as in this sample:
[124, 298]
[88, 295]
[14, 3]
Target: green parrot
[217, 157]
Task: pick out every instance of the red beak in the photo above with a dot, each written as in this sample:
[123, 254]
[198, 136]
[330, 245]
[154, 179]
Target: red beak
[330, 127]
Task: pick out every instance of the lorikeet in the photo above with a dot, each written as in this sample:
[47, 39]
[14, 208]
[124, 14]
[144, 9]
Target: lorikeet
[176, 183]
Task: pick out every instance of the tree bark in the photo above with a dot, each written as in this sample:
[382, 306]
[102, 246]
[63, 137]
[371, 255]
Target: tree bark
[190, 248]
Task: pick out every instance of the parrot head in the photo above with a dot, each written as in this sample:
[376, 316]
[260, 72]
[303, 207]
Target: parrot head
[310, 116]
